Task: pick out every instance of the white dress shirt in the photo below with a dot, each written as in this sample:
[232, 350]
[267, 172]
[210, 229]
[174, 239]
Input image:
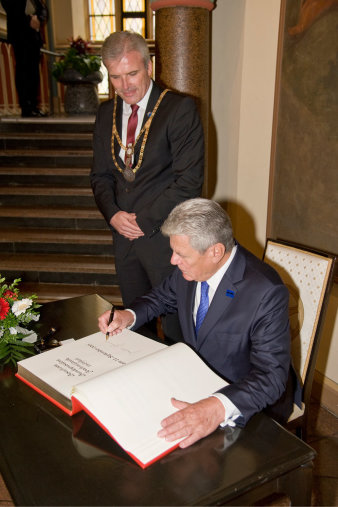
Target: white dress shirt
[126, 112]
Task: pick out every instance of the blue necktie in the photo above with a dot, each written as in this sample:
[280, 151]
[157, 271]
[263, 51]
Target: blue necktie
[204, 305]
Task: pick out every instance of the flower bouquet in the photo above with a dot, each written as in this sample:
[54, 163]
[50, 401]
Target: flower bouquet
[15, 311]
[78, 64]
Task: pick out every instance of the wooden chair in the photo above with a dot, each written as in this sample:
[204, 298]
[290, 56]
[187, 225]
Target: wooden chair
[309, 275]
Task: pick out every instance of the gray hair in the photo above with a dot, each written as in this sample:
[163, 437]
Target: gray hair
[203, 221]
[120, 43]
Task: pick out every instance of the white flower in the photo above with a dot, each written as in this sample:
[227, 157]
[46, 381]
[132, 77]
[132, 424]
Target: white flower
[22, 330]
[21, 306]
[1, 332]
[13, 330]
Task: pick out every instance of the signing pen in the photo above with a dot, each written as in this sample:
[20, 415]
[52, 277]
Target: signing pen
[111, 316]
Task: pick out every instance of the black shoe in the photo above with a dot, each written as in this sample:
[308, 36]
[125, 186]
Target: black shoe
[34, 113]
[39, 113]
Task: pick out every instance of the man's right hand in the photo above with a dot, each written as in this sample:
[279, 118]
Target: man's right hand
[121, 320]
[126, 225]
[35, 22]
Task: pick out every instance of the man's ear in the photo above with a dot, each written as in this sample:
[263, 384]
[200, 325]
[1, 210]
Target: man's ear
[150, 68]
[217, 252]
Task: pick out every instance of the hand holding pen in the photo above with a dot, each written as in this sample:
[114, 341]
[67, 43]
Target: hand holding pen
[122, 319]
[111, 316]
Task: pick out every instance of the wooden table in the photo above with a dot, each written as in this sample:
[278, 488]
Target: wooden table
[49, 458]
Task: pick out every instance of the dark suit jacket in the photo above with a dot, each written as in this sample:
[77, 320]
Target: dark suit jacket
[171, 171]
[245, 335]
[18, 24]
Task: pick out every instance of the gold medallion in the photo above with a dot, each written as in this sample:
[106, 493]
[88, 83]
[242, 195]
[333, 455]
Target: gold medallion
[128, 174]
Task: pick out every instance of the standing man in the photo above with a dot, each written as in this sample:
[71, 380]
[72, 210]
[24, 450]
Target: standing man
[233, 310]
[148, 157]
[25, 19]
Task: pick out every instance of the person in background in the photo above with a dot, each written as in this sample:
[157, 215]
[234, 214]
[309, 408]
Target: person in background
[148, 157]
[25, 19]
[233, 310]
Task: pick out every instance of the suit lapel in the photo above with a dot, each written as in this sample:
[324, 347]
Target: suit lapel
[187, 299]
[119, 107]
[224, 296]
[154, 95]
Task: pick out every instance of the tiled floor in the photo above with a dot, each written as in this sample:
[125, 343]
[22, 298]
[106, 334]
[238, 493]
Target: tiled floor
[323, 437]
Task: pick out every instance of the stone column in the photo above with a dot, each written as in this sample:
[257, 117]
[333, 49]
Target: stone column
[182, 51]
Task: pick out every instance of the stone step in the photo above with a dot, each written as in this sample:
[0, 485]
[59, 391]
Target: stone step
[54, 191]
[46, 196]
[44, 171]
[51, 217]
[50, 212]
[55, 235]
[59, 268]
[26, 240]
[47, 292]
[10, 142]
[63, 124]
[50, 176]
[46, 158]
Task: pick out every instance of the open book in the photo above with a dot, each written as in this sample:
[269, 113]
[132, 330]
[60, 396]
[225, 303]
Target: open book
[125, 384]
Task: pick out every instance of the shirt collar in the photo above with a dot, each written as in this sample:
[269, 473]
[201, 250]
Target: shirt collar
[215, 279]
[142, 103]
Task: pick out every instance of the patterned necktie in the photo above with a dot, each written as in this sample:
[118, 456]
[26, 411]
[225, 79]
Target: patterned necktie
[204, 305]
[132, 124]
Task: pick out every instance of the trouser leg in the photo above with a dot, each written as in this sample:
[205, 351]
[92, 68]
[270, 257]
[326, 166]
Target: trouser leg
[27, 77]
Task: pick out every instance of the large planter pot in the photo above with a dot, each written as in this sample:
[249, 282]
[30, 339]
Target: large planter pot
[81, 96]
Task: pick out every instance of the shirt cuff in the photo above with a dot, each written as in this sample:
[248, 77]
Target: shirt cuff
[231, 411]
[134, 322]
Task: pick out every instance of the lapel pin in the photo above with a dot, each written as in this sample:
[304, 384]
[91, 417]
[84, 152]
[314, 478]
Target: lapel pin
[230, 293]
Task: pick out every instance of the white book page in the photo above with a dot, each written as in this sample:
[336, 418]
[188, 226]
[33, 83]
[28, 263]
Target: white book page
[89, 357]
[132, 401]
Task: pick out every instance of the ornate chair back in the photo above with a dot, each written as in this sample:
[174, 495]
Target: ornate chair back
[308, 274]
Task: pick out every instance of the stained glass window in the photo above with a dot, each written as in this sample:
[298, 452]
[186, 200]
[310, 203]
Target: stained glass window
[107, 16]
[102, 19]
[133, 5]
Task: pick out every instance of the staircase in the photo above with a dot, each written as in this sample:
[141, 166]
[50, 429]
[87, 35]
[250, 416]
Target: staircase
[52, 235]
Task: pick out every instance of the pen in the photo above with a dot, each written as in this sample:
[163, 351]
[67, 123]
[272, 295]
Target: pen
[111, 316]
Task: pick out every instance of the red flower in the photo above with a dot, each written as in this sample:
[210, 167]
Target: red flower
[4, 308]
[10, 294]
[79, 45]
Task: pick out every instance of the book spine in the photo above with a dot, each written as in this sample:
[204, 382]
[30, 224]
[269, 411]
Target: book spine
[45, 395]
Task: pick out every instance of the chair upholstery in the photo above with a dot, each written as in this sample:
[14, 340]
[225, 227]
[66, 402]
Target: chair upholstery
[308, 274]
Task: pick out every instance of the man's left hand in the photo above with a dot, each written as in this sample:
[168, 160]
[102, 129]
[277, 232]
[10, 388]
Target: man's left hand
[193, 420]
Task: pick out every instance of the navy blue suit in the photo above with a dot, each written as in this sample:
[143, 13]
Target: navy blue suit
[245, 335]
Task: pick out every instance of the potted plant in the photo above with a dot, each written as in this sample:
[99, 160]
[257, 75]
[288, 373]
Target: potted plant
[80, 72]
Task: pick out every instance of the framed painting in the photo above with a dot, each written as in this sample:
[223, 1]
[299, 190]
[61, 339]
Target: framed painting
[303, 193]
